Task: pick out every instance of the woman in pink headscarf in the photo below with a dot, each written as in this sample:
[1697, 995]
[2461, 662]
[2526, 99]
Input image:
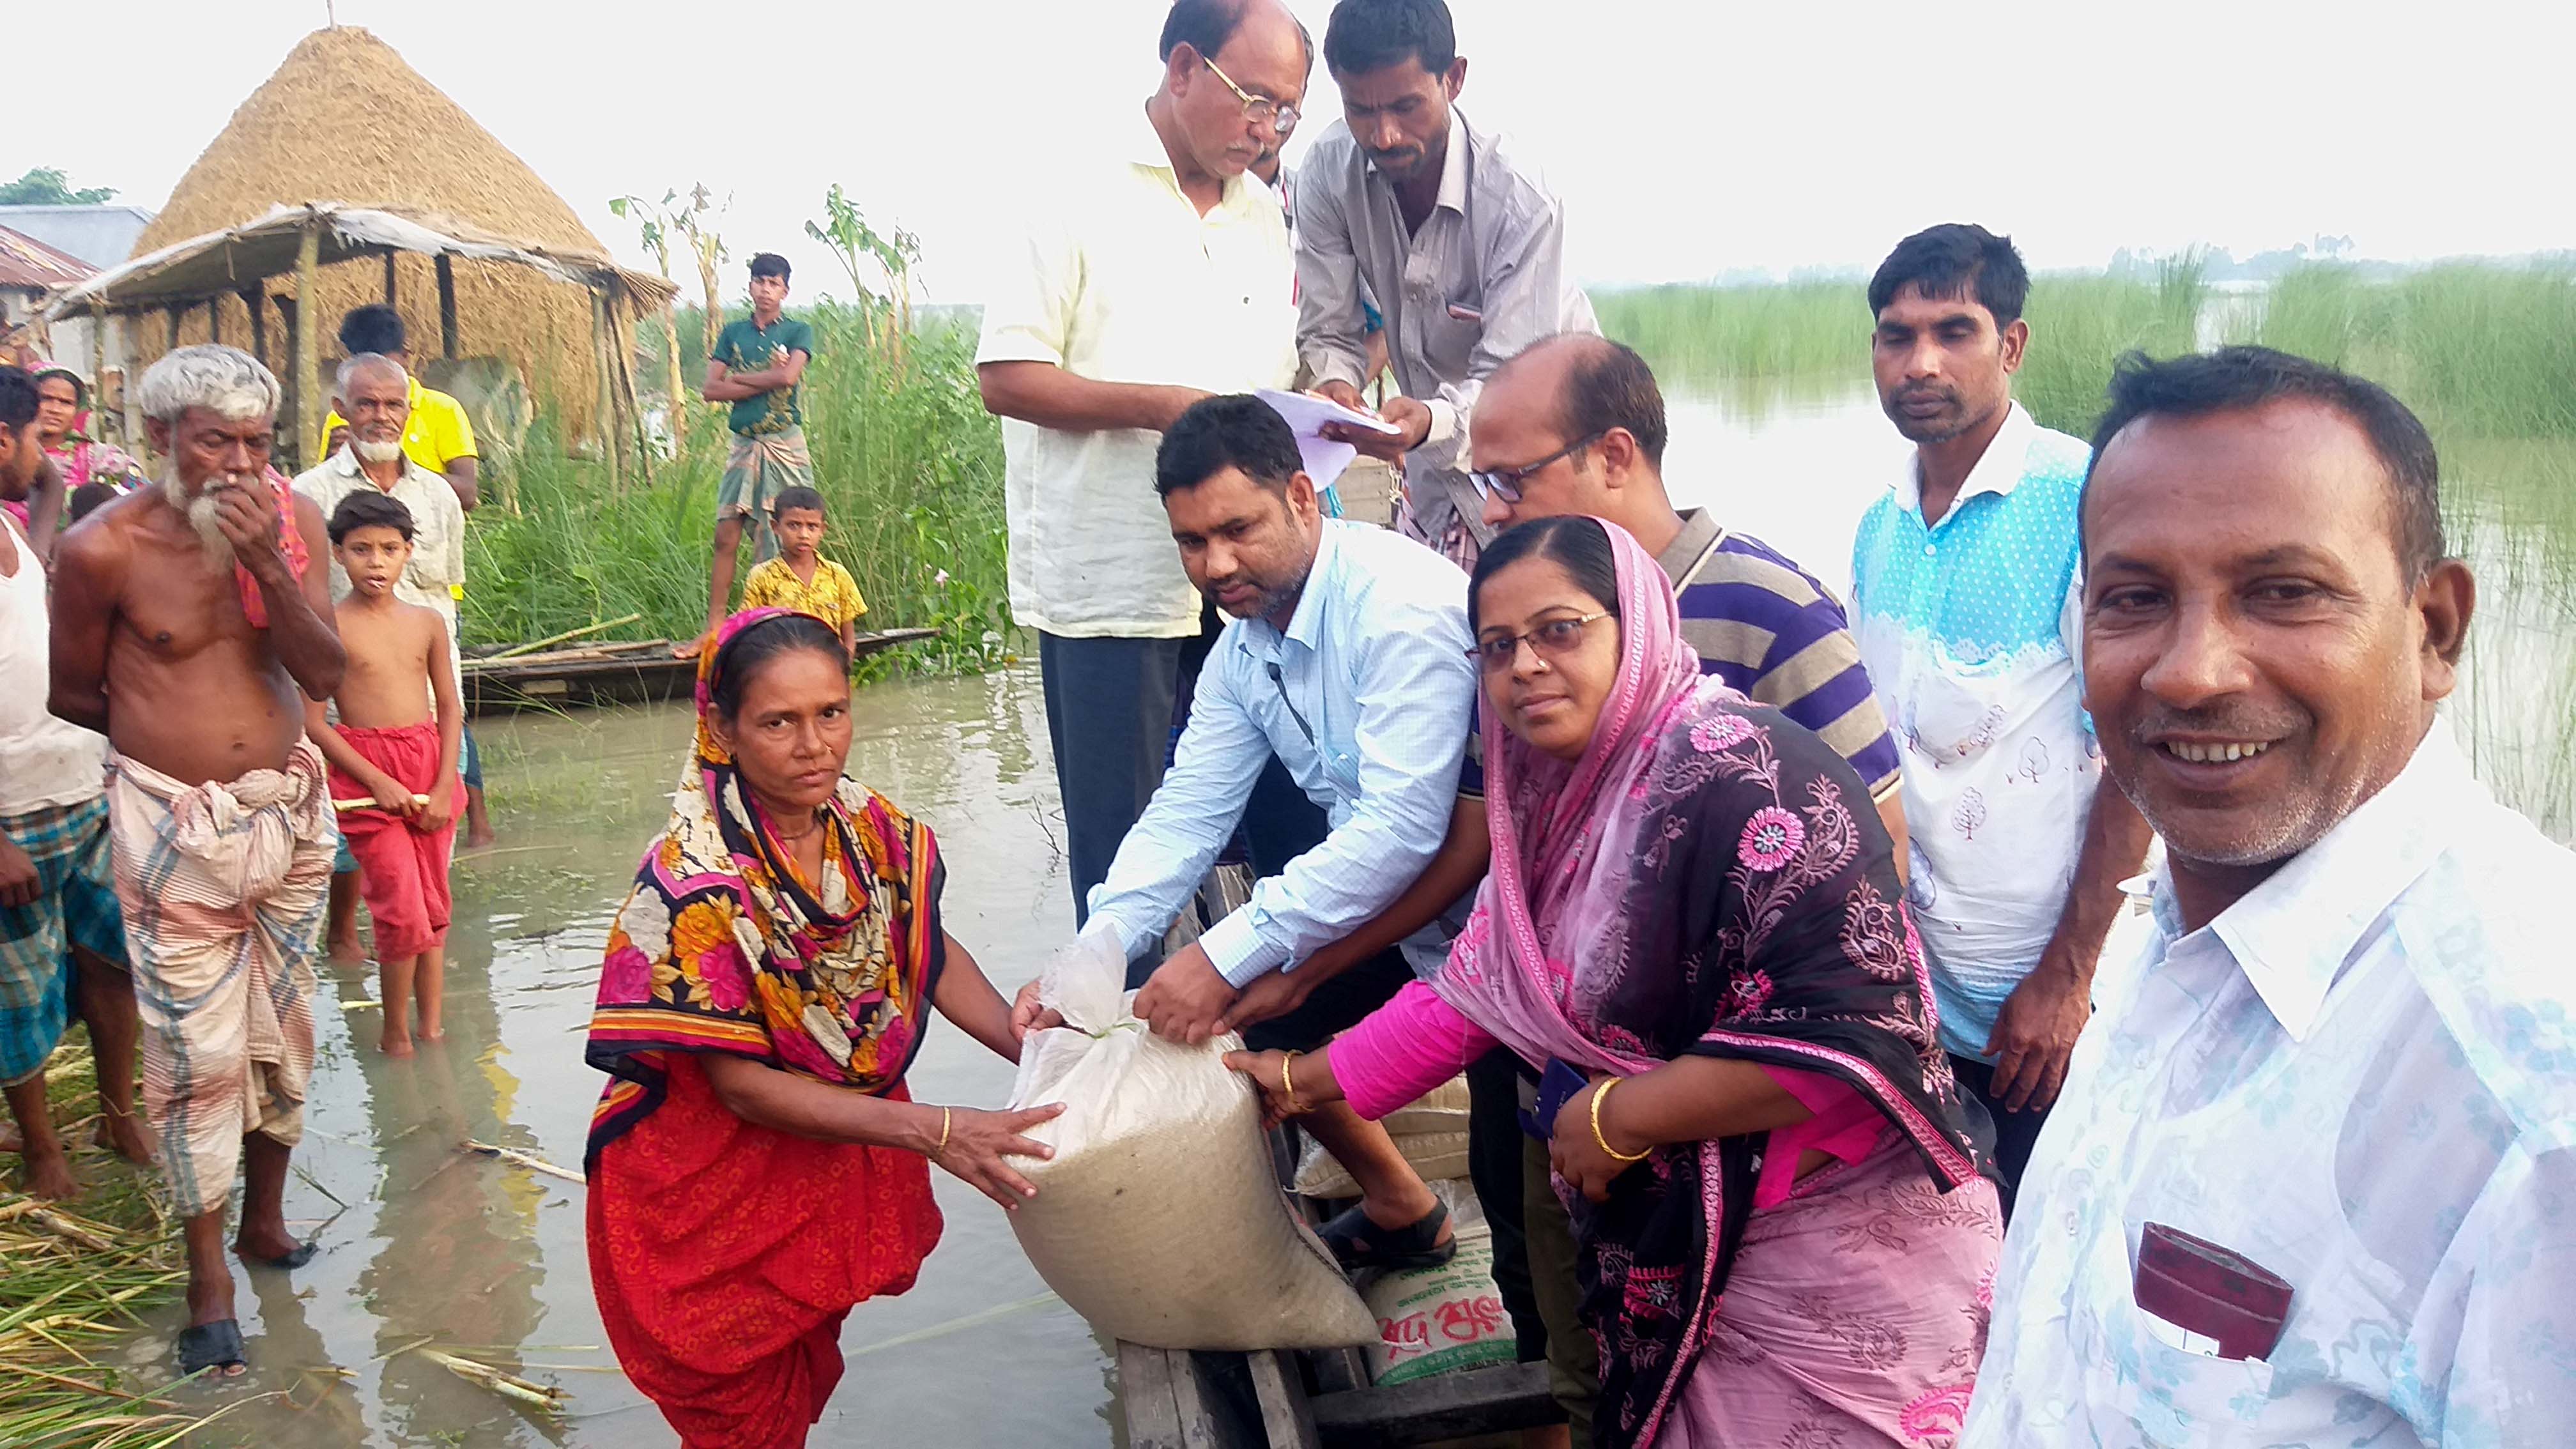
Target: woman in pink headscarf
[1784, 1234]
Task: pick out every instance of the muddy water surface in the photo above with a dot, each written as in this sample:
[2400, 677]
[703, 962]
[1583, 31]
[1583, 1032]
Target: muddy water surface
[486, 1260]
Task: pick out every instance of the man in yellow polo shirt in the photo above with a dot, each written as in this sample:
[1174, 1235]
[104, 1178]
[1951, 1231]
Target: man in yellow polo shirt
[441, 440]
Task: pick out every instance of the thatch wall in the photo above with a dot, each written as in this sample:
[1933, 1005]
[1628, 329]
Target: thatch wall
[345, 119]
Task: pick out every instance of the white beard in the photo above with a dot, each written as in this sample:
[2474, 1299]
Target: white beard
[201, 510]
[376, 452]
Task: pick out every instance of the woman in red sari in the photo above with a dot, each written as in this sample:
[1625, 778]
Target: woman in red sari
[756, 1166]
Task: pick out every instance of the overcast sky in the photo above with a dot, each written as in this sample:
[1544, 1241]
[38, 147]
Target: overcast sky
[1686, 138]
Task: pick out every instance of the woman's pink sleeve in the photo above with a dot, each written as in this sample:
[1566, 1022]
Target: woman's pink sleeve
[1403, 1049]
[1845, 1125]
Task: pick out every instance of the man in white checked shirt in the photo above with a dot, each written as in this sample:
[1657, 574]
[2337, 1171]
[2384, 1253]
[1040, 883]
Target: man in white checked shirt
[1346, 658]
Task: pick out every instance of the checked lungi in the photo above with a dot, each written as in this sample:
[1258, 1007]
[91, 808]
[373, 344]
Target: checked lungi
[223, 888]
[76, 907]
[761, 466]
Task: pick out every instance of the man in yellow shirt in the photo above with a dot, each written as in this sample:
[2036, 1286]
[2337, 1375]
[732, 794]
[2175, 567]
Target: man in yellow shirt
[440, 439]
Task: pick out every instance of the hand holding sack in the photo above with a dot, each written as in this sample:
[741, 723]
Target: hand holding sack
[1160, 1219]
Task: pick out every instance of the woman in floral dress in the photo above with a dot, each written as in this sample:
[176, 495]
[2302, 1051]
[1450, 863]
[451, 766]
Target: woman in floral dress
[1784, 1231]
[756, 1166]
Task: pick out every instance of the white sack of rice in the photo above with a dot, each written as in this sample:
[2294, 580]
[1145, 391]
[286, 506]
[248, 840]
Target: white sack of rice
[1160, 1218]
[1432, 1156]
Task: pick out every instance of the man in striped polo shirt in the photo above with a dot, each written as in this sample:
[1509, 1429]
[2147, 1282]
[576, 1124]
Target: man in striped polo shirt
[1577, 426]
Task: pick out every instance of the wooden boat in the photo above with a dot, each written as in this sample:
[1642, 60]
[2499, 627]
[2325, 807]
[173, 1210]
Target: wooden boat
[626, 672]
[1319, 1399]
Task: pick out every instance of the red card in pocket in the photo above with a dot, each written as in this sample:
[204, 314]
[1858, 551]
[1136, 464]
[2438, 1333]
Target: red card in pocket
[2217, 1301]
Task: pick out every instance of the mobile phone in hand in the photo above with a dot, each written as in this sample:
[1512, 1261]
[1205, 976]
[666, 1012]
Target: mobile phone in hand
[1556, 1087]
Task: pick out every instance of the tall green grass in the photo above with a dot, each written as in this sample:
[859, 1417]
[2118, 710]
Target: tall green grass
[1730, 339]
[2079, 325]
[909, 465]
[1710, 335]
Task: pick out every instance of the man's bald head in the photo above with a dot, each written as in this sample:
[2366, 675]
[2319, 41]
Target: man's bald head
[1587, 385]
[1573, 424]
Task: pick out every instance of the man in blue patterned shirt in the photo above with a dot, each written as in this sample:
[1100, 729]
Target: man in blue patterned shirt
[1964, 598]
[2313, 1180]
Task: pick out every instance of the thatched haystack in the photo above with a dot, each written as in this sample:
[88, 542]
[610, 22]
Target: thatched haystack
[345, 119]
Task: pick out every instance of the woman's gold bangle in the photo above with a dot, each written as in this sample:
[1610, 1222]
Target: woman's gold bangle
[948, 1118]
[1598, 1094]
[1287, 1088]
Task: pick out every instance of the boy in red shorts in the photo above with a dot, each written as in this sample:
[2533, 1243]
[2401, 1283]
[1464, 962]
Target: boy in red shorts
[393, 759]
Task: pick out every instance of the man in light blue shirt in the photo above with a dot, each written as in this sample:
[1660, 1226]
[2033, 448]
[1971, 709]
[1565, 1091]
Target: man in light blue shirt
[1346, 658]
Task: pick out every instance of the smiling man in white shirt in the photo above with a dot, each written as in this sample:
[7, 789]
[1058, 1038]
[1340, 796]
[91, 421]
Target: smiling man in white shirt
[1152, 280]
[2313, 1178]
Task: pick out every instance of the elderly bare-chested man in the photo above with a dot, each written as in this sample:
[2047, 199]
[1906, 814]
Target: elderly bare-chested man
[186, 619]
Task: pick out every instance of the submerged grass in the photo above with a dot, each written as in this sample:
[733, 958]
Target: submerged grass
[909, 465]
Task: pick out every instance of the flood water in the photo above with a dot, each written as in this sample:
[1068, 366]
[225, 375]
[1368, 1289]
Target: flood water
[486, 1260]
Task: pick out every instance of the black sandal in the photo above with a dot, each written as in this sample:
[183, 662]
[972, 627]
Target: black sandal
[1358, 1243]
[216, 1345]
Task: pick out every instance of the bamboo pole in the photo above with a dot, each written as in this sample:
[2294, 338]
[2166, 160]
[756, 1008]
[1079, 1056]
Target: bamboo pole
[215, 318]
[258, 323]
[308, 345]
[172, 312]
[447, 338]
[534, 645]
[389, 277]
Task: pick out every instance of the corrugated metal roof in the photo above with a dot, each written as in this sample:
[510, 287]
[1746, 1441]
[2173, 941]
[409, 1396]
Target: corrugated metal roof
[99, 235]
[27, 262]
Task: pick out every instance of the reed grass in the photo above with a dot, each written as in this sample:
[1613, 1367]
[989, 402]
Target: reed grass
[909, 465]
[75, 1278]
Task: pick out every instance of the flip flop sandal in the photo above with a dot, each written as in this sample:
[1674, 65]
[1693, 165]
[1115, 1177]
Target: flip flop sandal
[1358, 1243]
[301, 1255]
[216, 1345]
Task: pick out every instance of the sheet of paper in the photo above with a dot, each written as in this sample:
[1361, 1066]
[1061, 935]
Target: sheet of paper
[1306, 414]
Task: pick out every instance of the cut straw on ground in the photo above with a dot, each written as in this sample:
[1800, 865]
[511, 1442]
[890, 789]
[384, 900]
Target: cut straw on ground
[78, 1276]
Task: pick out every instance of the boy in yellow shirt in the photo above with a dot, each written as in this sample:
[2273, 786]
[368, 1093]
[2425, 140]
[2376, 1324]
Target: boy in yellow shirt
[800, 577]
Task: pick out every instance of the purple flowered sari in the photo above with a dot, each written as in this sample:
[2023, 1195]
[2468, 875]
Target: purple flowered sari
[1700, 883]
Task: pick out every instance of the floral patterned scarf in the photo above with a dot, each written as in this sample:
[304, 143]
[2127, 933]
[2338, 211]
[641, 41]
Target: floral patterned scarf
[1708, 879]
[723, 947]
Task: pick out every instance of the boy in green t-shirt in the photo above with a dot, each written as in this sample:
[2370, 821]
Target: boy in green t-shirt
[758, 366]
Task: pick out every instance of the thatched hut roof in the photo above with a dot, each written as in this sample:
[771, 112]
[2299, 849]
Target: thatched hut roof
[344, 119]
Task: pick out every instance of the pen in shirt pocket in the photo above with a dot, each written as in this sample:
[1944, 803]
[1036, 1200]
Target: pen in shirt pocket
[1458, 313]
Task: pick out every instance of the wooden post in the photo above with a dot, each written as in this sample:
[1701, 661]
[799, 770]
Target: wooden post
[308, 346]
[215, 318]
[98, 367]
[173, 311]
[447, 340]
[258, 323]
[389, 278]
[603, 420]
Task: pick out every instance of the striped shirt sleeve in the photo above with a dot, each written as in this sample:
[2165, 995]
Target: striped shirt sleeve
[1773, 632]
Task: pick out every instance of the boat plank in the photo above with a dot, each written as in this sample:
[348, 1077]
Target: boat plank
[1445, 1406]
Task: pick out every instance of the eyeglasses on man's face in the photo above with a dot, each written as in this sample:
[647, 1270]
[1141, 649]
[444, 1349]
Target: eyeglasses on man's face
[1505, 483]
[1553, 639]
[1259, 110]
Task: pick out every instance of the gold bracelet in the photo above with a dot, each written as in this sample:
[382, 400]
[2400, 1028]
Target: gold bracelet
[1598, 1093]
[947, 1117]
[1288, 1088]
